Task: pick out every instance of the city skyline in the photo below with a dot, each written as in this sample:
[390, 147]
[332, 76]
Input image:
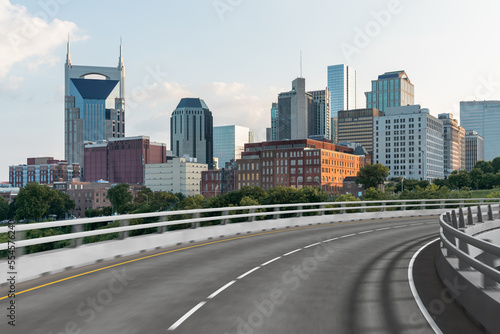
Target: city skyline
[158, 74]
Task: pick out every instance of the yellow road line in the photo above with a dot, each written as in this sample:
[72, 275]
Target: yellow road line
[189, 247]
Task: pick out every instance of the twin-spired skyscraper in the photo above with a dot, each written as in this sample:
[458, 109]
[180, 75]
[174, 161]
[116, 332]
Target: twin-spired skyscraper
[94, 105]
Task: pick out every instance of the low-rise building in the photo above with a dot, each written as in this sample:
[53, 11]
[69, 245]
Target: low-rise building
[179, 175]
[122, 160]
[89, 195]
[297, 163]
[220, 181]
[43, 170]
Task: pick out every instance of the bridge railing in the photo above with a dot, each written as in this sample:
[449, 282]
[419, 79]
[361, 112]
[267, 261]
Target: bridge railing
[468, 262]
[221, 216]
[457, 242]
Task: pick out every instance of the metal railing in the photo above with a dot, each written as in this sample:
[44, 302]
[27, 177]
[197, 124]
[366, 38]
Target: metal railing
[221, 216]
[456, 240]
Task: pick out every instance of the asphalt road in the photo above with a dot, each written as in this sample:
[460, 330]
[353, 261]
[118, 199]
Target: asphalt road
[339, 278]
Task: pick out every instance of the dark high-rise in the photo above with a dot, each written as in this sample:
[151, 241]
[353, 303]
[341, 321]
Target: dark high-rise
[191, 130]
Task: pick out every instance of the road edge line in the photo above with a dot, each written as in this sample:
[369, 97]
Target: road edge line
[414, 291]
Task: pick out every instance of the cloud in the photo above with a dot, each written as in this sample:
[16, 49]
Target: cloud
[226, 89]
[31, 38]
[11, 84]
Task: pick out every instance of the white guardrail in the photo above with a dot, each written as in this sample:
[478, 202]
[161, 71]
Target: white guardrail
[221, 216]
[469, 259]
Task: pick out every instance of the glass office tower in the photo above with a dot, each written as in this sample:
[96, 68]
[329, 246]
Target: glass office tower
[484, 118]
[342, 86]
[229, 142]
[392, 89]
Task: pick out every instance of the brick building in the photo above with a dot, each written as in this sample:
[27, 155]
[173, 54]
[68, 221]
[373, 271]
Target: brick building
[89, 195]
[297, 163]
[220, 181]
[122, 160]
[44, 170]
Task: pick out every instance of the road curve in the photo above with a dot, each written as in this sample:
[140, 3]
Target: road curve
[338, 278]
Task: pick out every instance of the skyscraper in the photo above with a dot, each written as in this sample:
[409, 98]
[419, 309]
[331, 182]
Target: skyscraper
[342, 85]
[191, 131]
[320, 126]
[484, 118]
[94, 105]
[301, 114]
[294, 112]
[392, 89]
[229, 142]
[274, 122]
[454, 144]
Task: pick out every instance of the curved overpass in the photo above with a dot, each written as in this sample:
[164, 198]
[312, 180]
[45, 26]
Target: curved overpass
[349, 277]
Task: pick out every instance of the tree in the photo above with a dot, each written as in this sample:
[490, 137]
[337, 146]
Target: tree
[32, 202]
[372, 175]
[485, 166]
[476, 174]
[4, 208]
[459, 179]
[495, 163]
[119, 196]
[59, 203]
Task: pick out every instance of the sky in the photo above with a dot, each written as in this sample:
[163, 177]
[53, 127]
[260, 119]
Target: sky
[237, 55]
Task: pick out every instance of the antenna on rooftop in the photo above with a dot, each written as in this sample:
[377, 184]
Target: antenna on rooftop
[300, 63]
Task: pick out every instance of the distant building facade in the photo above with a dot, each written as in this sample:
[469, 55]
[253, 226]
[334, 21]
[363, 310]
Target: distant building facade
[474, 149]
[179, 175]
[358, 126]
[191, 131]
[484, 118]
[43, 170]
[409, 140]
[391, 89]
[122, 160]
[94, 107]
[297, 163]
[229, 142]
[454, 144]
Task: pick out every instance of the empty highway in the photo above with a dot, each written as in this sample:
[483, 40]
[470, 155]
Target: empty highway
[338, 278]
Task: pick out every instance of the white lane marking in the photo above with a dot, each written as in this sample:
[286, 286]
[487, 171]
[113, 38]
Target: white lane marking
[221, 289]
[347, 236]
[333, 239]
[417, 224]
[364, 232]
[279, 257]
[383, 229]
[185, 316]
[399, 226]
[311, 245]
[413, 289]
[292, 252]
[248, 272]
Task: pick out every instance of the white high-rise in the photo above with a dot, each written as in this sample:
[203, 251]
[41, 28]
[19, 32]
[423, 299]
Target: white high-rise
[409, 140]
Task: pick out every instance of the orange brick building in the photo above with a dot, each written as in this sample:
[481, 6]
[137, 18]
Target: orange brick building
[297, 163]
